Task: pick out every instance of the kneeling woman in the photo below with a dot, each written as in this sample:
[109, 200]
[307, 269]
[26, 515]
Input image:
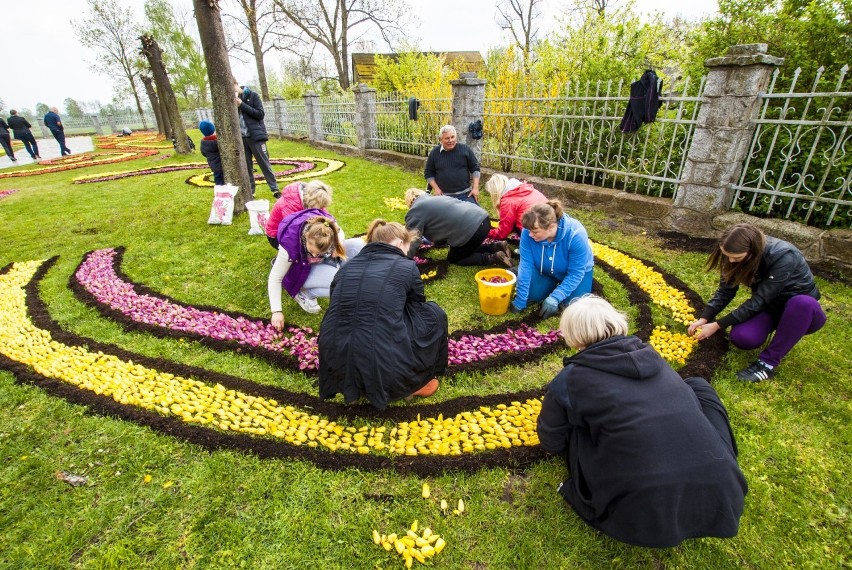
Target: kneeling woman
[310, 251]
[556, 259]
[651, 457]
[380, 337]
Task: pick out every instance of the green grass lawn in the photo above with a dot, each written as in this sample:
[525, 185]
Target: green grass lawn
[226, 509]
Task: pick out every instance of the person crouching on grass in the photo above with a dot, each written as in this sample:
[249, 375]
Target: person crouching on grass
[311, 249]
[511, 198]
[294, 198]
[556, 260]
[651, 458]
[784, 297]
[380, 338]
[461, 224]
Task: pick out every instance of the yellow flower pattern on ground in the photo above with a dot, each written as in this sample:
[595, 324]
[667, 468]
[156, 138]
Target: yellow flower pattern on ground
[674, 347]
[196, 402]
[331, 166]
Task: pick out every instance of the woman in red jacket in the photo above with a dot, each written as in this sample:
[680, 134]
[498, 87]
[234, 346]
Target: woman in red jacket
[294, 198]
[511, 197]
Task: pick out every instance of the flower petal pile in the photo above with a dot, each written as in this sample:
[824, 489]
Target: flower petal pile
[82, 160]
[331, 165]
[4, 193]
[472, 348]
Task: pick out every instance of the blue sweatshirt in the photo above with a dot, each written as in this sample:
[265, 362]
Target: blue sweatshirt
[567, 259]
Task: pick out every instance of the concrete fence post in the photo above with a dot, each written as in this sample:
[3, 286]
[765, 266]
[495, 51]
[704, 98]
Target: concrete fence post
[365, 116]
[112, 127]
[468, 106]
[282, 119]
[45, 132]
[96, 122]
[312, 110]
[724, 129]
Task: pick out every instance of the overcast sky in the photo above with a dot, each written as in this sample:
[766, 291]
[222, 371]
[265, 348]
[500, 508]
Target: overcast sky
[47, 64]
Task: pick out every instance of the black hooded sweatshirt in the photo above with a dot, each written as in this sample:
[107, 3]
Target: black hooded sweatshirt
[652, 458]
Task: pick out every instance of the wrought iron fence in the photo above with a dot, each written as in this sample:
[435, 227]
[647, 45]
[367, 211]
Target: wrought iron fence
[572, 132]
[337, 118]
[294, 117]
[799, 164]
[396, 131]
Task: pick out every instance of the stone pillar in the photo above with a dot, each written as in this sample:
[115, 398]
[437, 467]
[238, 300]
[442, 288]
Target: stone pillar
[365, 116]
[724, 129]
[312, 110]
[281, 116]
[468, 106]
[111, 119]
[45, 132]
[96, 122]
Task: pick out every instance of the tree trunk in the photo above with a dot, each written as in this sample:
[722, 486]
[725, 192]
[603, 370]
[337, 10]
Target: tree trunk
[209, 19]
[151, 50]
[155, 103]
[138, 103]
[258, 60]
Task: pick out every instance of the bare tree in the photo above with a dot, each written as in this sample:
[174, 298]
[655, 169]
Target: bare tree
[209, 19]
[109, 29]
[152, 52]
[518, 18]
[338, 24]
[256, 25]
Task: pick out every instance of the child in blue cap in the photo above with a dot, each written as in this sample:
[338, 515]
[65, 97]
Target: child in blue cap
[210, 150]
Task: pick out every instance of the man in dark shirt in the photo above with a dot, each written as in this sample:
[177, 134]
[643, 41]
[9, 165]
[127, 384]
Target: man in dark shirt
[54, 123]
[6, 141]
[452, 169]
[21, 128]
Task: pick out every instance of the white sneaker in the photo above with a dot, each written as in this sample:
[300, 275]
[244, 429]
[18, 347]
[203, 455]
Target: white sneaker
[309, 304]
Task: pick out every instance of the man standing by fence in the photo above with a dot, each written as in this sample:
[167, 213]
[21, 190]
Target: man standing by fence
[54, 123]
[450, 167]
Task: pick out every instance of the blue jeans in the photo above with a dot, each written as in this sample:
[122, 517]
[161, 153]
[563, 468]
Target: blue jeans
[541, 286]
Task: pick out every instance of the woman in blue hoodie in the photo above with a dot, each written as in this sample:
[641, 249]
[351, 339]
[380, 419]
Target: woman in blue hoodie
[556, 259]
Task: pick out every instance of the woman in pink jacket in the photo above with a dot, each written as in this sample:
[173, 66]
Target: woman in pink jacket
[294, 198]
[511, 197]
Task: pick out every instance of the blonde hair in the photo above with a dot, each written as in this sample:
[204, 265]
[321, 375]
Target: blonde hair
[495, 187]
[412, 194]
[323, 233]
[542, 215]
[590, 319]
[316, 194]
[386, 232]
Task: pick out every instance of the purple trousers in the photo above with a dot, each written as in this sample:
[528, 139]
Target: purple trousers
[802, 315]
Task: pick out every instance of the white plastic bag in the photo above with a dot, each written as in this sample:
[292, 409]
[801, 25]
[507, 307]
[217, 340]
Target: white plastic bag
[222, 211]
[258, 214]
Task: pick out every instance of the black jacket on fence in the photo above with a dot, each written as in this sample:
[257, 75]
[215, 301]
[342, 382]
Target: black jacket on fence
[252, 114]
[652, 459]
[644, 102]
[380, 338]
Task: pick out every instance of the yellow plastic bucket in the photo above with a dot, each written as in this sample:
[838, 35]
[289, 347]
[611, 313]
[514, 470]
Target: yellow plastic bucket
[494, 298]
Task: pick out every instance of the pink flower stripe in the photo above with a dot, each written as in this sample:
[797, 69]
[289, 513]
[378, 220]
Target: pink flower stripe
[4, 193]
[470, 348]
[97, 275]
[299, 167]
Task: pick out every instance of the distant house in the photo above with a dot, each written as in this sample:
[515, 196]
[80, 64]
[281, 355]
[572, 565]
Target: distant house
[364, 64]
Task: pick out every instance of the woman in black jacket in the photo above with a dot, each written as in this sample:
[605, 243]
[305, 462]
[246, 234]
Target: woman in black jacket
[253, 130]
[784, 297]
[380, 338]
[651, 457]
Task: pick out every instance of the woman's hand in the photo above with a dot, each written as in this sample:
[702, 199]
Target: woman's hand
[696, 324]
[707, 330]
[278, 320]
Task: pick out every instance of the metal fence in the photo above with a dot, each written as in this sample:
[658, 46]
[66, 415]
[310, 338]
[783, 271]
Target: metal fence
[294, 117]
[799, 165]
[396, 131]
[337, 118]
[572, 132]
[86, 124]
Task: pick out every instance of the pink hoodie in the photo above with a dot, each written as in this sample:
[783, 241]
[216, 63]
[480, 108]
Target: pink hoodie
[516, 199]
[290, 202]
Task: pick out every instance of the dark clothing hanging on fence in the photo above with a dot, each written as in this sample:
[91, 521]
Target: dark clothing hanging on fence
[644, 102]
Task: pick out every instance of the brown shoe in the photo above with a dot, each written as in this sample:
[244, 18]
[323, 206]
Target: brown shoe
[427, 390]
